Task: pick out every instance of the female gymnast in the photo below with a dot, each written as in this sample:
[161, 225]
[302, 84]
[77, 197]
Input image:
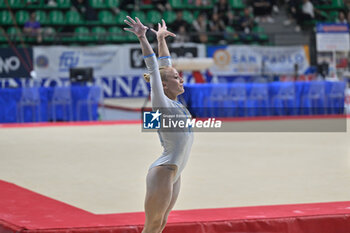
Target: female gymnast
[163, 178]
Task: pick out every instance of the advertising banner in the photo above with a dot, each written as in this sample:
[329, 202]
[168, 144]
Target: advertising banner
[332, 37]
[258, 60]
[112, 86]
[15, 63]
[134, 58]
[55, 61]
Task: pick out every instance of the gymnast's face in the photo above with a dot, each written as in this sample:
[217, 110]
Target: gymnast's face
[173, 84]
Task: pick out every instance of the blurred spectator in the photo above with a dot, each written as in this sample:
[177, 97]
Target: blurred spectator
[199, 2]
[125, 5]
[347, 4]
[307, 13]
[291, 12]
[322, 2]
[246, 21]
[179, 22]
[217, 27]
[348, 17]
[32, 28]
[32, 2]
[162, 5]
[202, 2]
[84, 8]
[223, 9]
[52, 3]
[274, 6]
[263, 10]
[181, 28]
[341, 17]
[200, 26]
[182, 35]
[145, 2]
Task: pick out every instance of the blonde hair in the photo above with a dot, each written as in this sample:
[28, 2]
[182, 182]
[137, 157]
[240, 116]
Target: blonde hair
[162, 71]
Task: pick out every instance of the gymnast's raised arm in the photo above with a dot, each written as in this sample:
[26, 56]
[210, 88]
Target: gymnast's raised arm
[157, 93]
[164, 54]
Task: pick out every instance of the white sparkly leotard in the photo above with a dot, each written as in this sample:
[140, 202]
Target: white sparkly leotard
[177, 145]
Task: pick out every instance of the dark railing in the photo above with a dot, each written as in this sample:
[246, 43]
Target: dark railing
[126, 37]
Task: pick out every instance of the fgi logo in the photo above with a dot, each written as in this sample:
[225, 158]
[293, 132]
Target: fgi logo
[68, 60]
[151, 120]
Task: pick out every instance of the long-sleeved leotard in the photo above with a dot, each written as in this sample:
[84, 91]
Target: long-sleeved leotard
[177, 145]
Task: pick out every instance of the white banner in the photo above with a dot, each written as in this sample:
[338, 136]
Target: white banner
[55, 61]
[332, 42]
[109, 60]
[332, 37]
[258, 60]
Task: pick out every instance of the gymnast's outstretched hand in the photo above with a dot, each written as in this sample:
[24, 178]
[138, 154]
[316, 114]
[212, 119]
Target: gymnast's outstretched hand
[136, 27]
[162, 31]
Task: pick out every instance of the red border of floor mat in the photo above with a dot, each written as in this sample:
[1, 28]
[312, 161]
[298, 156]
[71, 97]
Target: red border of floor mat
[22, 210]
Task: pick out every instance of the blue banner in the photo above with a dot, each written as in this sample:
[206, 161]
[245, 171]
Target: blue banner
[332, 28]
[264, 99]
[112, 86]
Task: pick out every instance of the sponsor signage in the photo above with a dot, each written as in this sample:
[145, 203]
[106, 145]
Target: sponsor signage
[135, 58]
[15, 63]
[55, 61]
[258, 60]
[332, 37]
[109, 60]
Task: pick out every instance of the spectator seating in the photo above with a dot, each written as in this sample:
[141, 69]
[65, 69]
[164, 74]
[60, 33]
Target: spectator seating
[63, 4]
[14, 34]
[139, 14]
[187, 16]
[169, 16]
[56, 17]
[41, 17]
[106, 17]
[116, 35]
[121, 17]
[112, 3]
[98, 4]
[335, 5]
[6, 18]
[153, 17]
[16, 4]
[67, 25]
[237, 4]
[82, 34]
[73, 18]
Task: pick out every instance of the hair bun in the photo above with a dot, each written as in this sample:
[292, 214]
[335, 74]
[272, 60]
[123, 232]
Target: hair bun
[147, 77]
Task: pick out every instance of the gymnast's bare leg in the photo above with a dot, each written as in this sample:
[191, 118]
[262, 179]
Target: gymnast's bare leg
[175, 194]
[161, 196]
